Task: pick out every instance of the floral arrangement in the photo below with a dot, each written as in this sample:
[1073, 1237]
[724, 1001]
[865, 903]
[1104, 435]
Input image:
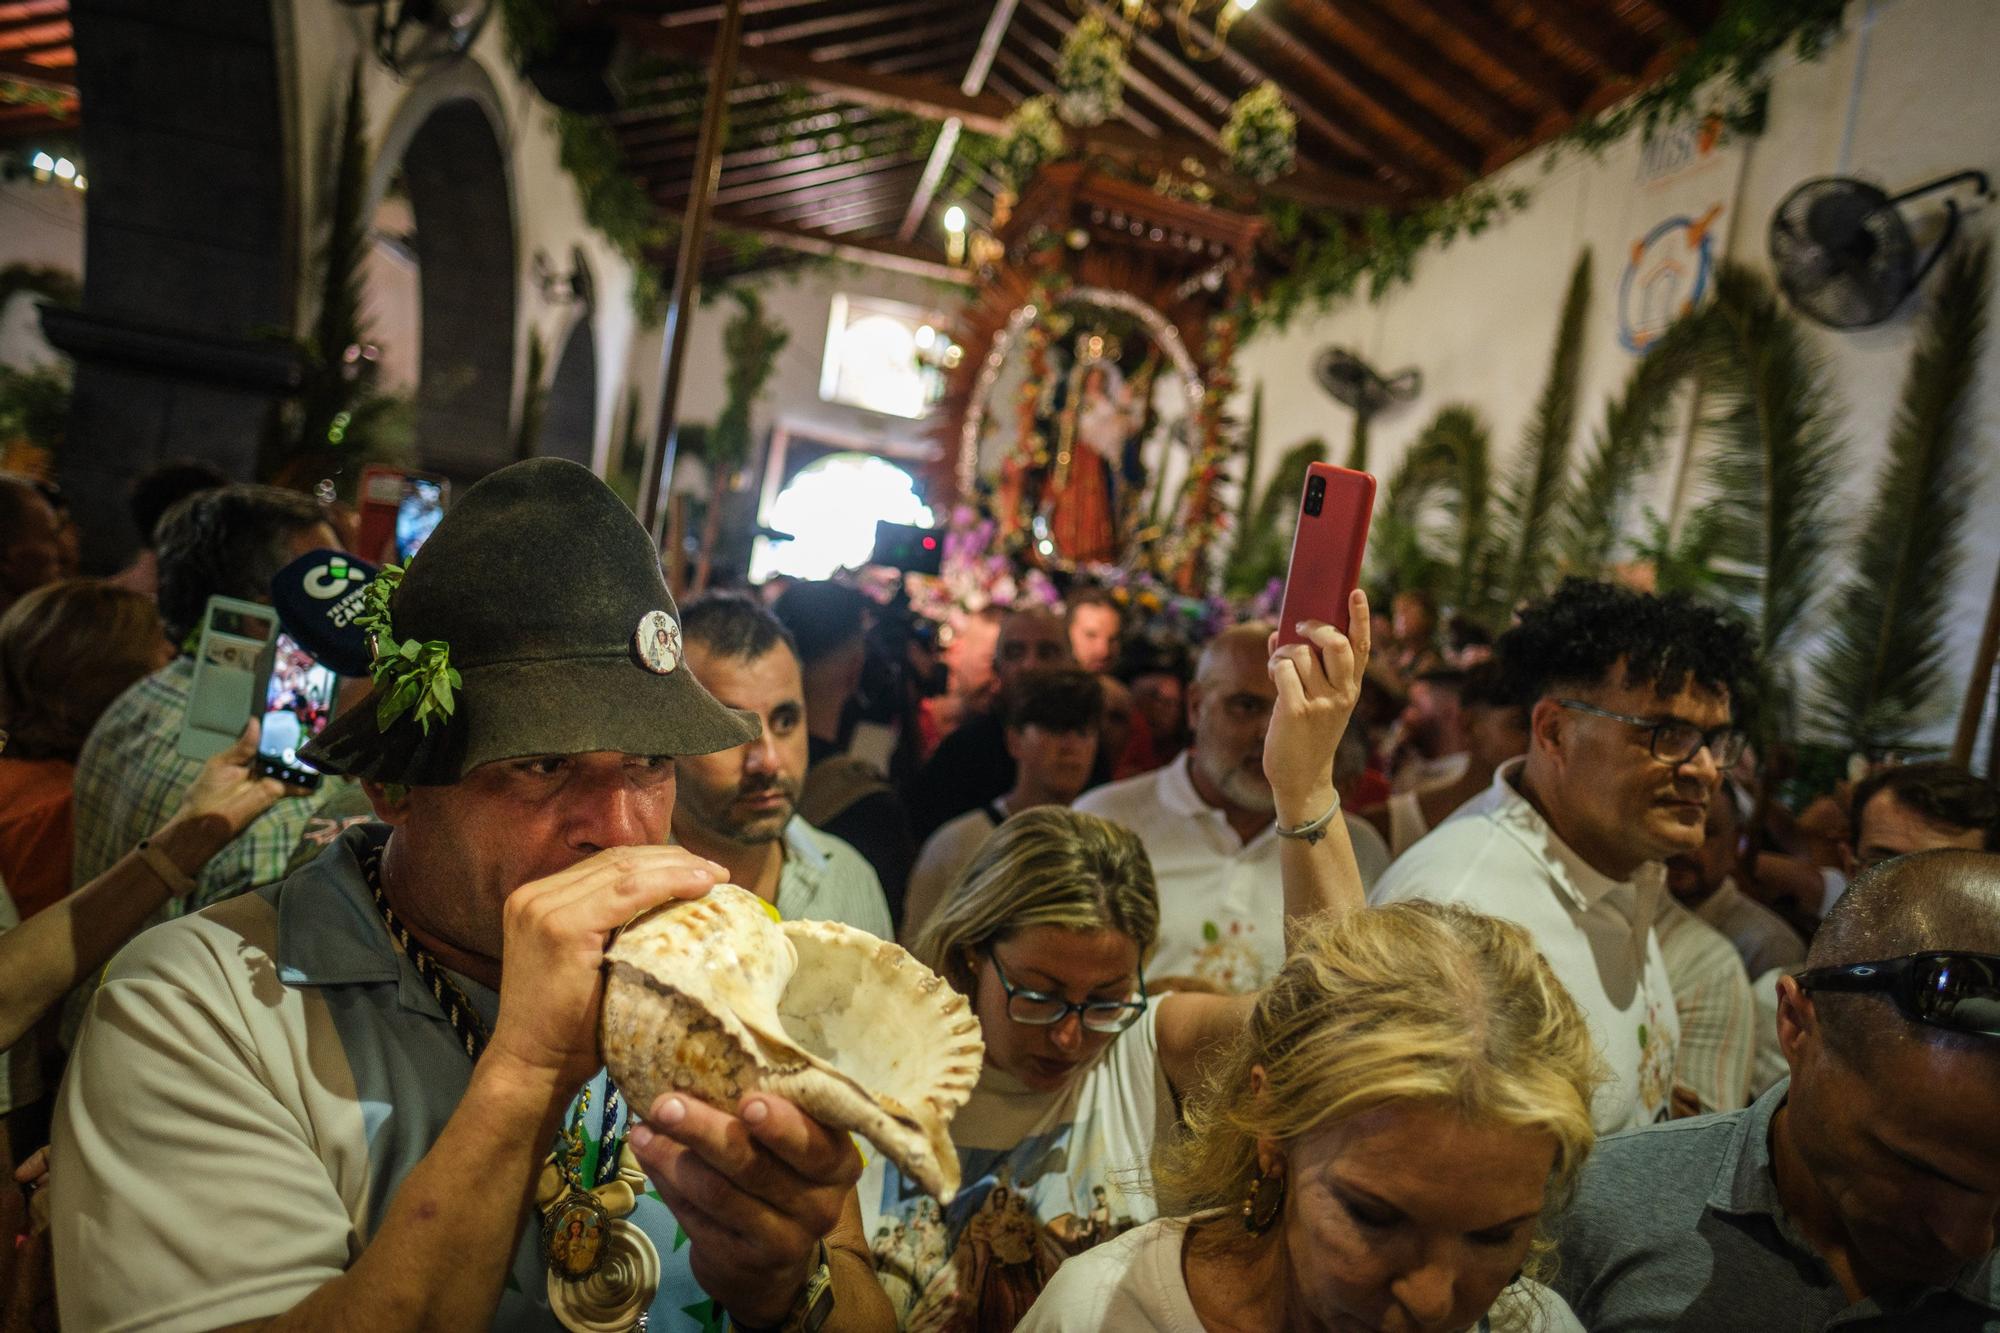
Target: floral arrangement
[1090, 73]
[1155, 609]
[1034, 136]
[1262, 135]
[974, 573]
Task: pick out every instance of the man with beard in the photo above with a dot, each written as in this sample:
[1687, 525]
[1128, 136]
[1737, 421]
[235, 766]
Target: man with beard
[1860, 1192]
[1208, 823]
[739, 808]
[1632, 729]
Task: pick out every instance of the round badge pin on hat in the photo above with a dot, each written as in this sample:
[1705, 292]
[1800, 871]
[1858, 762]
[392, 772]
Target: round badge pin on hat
[658, 641]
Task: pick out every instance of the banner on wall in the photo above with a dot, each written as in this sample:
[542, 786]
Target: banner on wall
[1676, 225]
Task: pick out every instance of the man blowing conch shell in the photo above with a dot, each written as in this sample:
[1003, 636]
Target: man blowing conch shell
[325, 1103]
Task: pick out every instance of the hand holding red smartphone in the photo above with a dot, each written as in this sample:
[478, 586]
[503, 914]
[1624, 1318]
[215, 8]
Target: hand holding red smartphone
[1327, 549]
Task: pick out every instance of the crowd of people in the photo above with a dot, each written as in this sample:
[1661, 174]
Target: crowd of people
[1407, 978]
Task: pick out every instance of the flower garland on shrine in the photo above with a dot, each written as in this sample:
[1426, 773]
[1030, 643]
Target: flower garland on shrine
[1203, 517]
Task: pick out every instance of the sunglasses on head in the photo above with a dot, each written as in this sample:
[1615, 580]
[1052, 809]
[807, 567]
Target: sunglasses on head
[1959, 992]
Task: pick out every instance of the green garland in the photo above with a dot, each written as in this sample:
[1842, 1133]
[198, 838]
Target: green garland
[1331, 260]
[53, 102]
[410, 677]
[1738, 49]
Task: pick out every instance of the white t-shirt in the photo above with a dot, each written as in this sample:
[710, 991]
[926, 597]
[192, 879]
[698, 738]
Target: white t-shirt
[1046, 1175]
[1497, 855]
[1222, 900]
[1134, 1284]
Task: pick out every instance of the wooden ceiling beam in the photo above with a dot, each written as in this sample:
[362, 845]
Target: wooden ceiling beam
[821, 114]
[1388, 109]
[1485, 44]
[846, 22]
[1048, 53]
[909, 95]
[671, 197]
[986, 113]
[708, 15]
[889, 255]
[688, 103]
[844, 211]
[925, 36]
[794, 164]
[35, 32]
[776, 148]
[1414, 163]
[54, 78]
[1364, 28]
[976, 72]
[1138, 81]
[1606, 50]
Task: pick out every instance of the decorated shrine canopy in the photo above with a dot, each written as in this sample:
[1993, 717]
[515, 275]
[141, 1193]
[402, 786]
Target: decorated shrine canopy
[1112, 300]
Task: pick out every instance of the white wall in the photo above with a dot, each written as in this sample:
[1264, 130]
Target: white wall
[1906, 95]
[801, 302]
[41, 225]
[326, 38]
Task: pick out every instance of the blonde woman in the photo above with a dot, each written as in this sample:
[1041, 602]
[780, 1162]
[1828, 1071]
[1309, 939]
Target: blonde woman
[1047, 934]
[1377, 1152]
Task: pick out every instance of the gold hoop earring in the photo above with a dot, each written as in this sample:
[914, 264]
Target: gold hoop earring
[1263, 1204]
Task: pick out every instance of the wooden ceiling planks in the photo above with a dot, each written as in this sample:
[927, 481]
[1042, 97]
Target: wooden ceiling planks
[1398, 101]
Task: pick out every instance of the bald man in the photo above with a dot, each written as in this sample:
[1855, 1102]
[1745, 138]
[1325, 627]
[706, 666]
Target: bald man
[1863, 1190]
[1207, 820]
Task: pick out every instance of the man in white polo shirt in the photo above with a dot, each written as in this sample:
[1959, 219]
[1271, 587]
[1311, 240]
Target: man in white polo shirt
[1632, 729]
[1207, 820]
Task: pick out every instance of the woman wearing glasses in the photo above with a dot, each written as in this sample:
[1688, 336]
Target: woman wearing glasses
[1375, 1151]
[1047, 933]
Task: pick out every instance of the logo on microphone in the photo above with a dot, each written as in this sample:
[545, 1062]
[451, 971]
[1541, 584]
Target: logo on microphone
[325, 582]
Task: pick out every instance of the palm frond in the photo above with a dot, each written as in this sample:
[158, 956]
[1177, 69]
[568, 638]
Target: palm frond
[1445, 467]
[1402, 557]
[1466, 445]
[1253, 446]
[1625, 447]
[1534, 488]
[1878, 678]
[1773, 468]
[1264, 536]
[1357, 445]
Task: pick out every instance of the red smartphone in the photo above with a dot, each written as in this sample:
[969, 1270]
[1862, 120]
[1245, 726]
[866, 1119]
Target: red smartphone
[1327, 548]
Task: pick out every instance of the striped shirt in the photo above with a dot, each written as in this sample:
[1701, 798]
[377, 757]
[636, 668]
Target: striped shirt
[1718, 1015]
[825, 879]
[131, 776]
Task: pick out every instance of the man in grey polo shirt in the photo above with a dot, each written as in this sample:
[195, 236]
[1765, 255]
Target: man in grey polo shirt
[1861, 1193]
[325, 1104]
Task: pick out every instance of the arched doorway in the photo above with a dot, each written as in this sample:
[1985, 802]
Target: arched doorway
[445, 153]
[569, 429]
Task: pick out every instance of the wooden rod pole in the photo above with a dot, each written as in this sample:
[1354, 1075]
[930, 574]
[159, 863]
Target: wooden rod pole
[658, 472]
[1979, 685]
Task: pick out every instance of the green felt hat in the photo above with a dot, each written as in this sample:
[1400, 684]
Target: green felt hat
[533, 621]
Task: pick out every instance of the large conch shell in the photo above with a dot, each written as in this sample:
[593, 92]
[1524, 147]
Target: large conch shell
[713, 998]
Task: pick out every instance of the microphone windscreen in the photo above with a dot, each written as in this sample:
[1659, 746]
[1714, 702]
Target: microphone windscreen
[317, 598]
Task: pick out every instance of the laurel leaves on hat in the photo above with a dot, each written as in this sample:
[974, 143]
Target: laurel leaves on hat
[410, 677]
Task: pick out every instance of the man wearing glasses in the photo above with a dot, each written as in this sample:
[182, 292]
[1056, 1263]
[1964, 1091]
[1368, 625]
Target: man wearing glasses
[1862, 1192]
[1632, 729]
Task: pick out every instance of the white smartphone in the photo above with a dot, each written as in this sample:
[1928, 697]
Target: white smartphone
[229, 665]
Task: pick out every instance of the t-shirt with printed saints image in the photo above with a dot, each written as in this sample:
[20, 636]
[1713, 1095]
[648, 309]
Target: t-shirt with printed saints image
[1045, 1175]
